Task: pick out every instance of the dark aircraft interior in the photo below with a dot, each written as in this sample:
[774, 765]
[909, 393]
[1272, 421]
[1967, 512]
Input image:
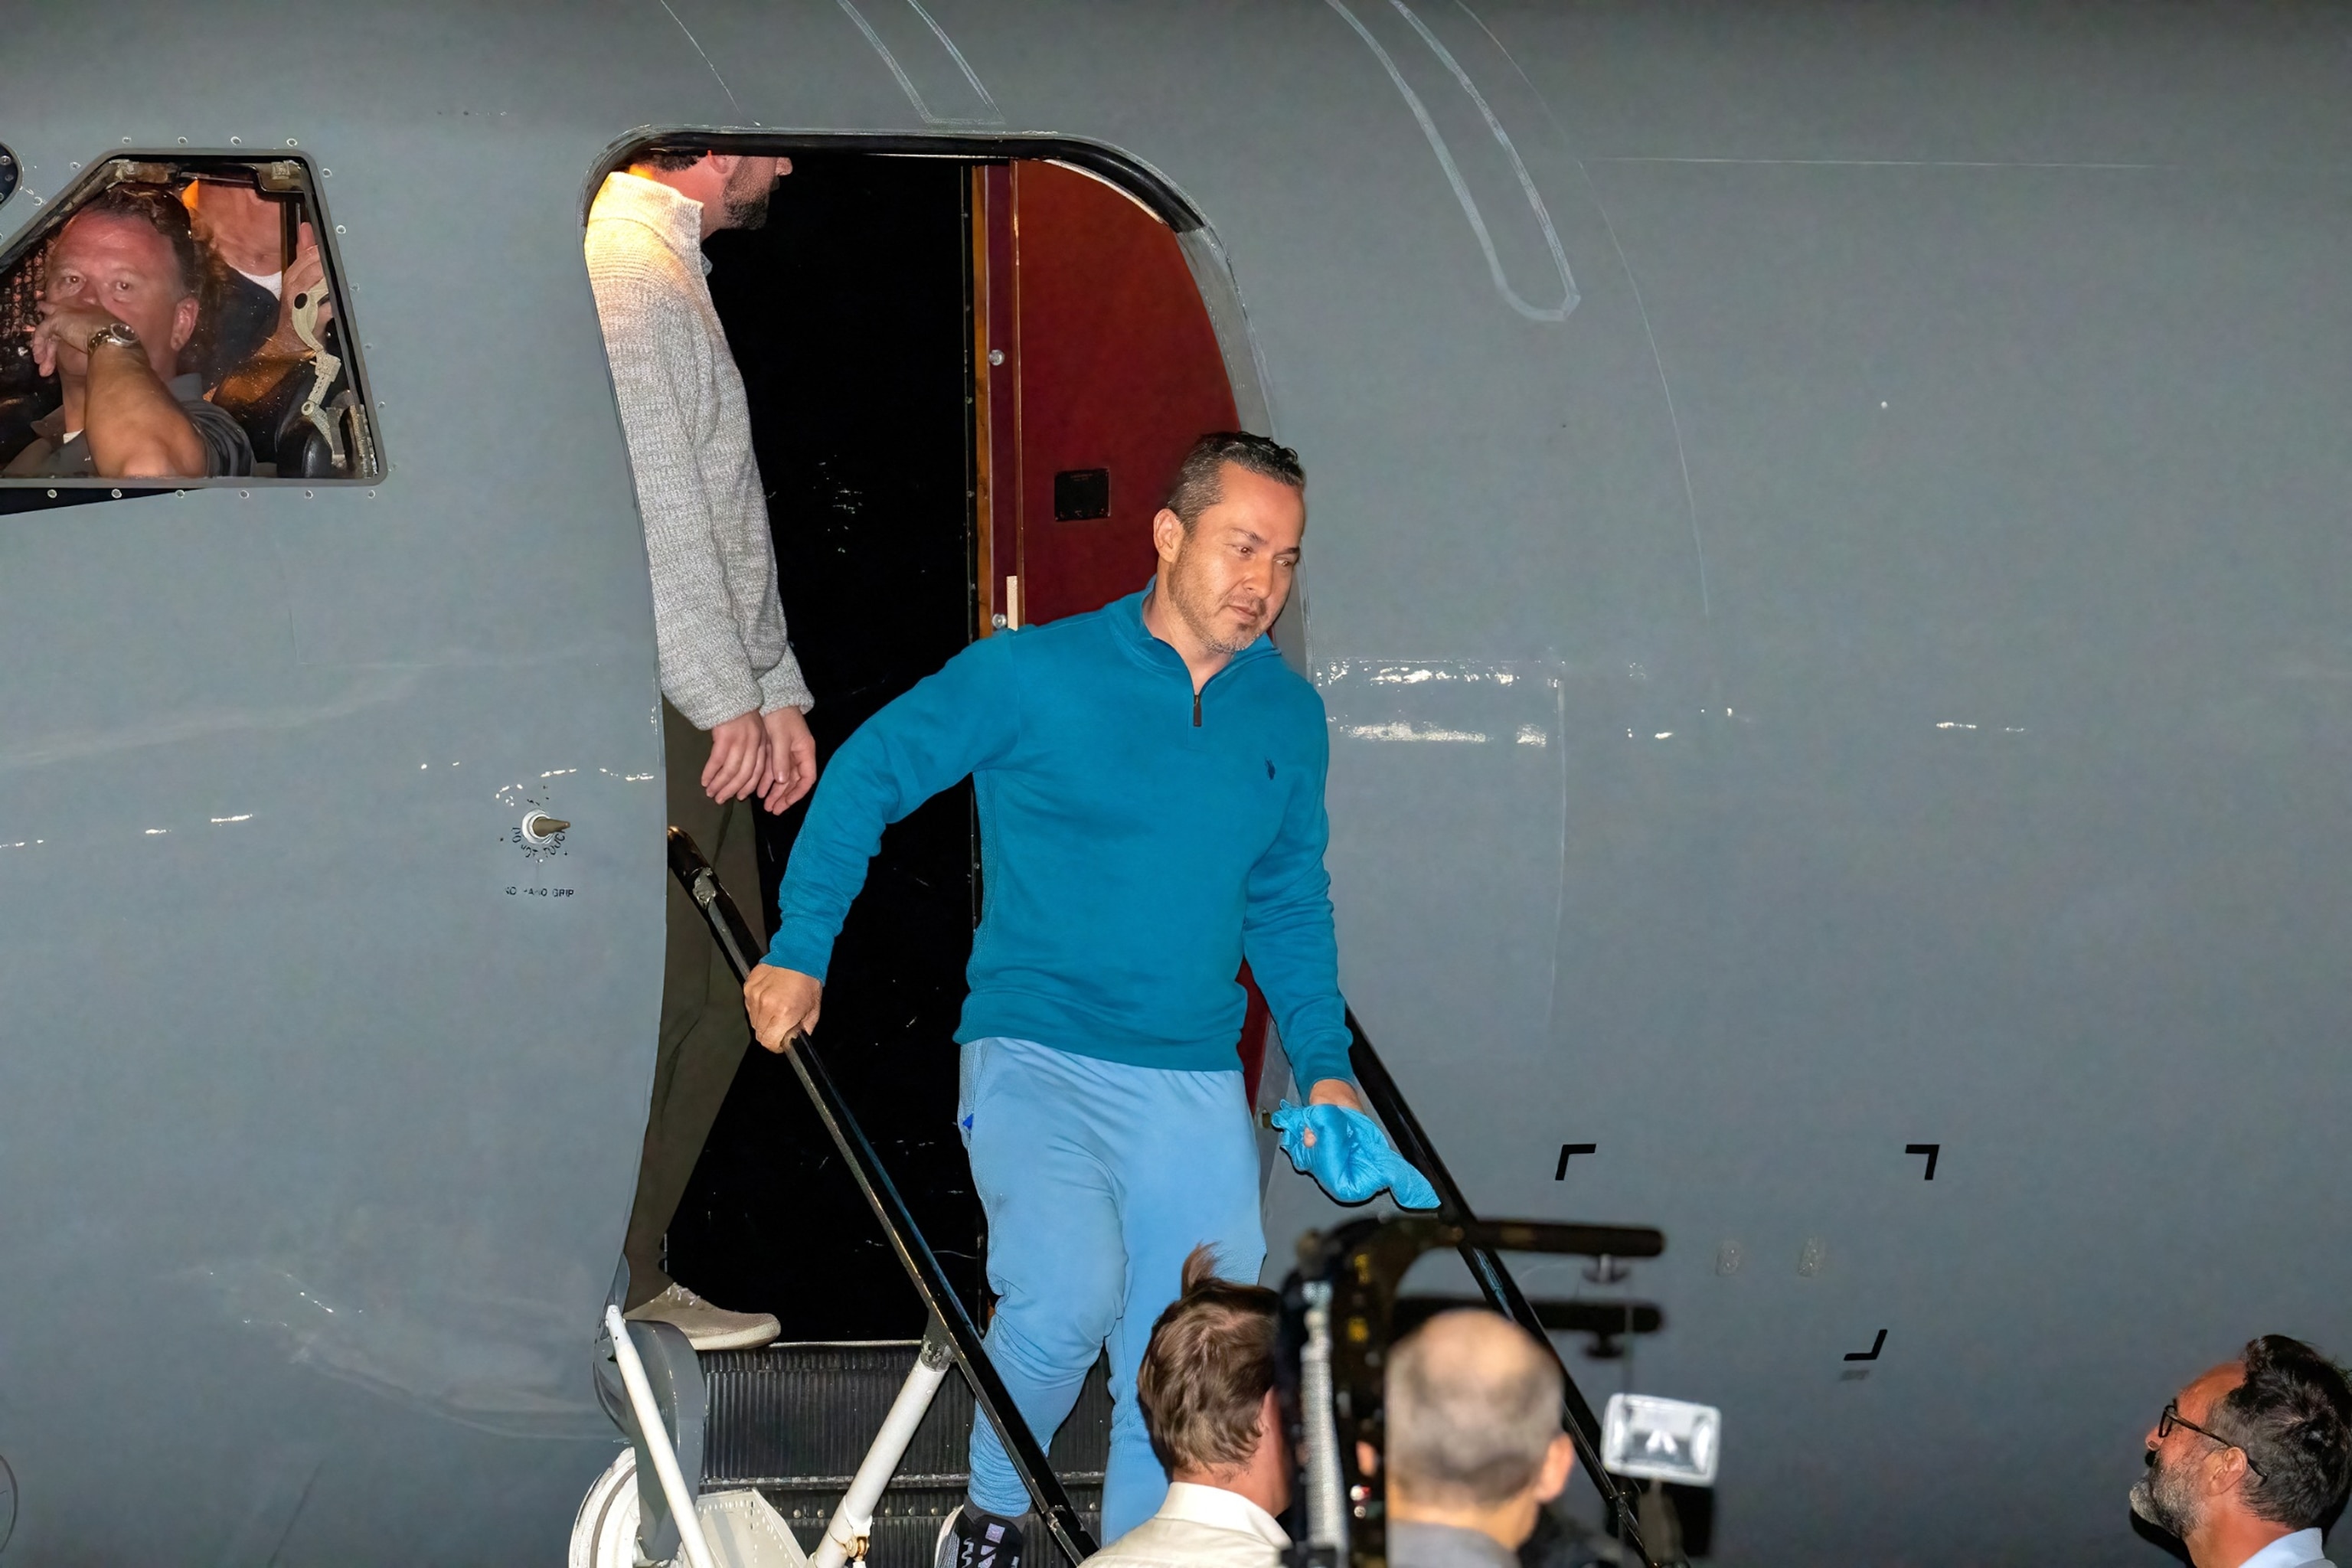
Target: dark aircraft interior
[860, 415]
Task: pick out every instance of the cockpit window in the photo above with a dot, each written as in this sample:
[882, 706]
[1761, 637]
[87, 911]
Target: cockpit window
[177, 321]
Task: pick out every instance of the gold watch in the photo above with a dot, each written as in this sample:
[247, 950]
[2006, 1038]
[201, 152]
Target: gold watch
[116, 332]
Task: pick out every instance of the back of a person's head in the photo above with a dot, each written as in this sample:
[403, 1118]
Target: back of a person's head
[1207, 1370]
[2293, 1415]
[1473, 1409]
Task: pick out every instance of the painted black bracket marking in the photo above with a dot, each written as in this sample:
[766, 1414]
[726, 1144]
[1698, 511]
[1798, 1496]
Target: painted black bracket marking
[1930, 1150]
[1560, 1172]
[1872, 1353]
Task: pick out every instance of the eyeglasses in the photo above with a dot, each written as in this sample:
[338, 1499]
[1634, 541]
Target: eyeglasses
[2172, 1417]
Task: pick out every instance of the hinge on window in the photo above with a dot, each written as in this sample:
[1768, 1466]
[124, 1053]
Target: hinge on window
[363, 462]
[124, 171]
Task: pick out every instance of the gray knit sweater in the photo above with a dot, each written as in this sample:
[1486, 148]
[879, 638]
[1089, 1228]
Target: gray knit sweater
[717, 620]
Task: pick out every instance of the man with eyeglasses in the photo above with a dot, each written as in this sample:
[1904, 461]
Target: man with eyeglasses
[2246, 1460]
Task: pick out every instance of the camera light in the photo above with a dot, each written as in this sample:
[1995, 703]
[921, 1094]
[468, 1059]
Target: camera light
[1663, 1439]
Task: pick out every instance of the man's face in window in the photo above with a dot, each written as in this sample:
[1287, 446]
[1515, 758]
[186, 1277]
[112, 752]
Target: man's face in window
[123, 267]
[233, 218]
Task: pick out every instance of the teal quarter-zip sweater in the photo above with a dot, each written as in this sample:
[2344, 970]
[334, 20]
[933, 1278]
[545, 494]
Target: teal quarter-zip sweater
[1136, 843]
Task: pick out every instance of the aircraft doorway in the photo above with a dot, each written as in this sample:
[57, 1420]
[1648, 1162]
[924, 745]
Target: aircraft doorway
[965, 377]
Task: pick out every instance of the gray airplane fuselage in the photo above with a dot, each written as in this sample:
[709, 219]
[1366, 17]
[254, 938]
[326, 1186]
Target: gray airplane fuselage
[1828, 566]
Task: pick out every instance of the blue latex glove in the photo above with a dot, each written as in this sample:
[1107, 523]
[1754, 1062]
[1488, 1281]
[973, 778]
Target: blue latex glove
[1351, 1158]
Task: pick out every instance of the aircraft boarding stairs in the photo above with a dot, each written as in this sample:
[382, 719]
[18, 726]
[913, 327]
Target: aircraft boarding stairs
[792, 1423]
[813, 1456]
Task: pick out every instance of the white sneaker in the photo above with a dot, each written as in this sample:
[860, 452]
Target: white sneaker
[706, 1327]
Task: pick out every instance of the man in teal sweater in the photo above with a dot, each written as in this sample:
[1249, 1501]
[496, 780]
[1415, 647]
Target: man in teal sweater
[1150, 778]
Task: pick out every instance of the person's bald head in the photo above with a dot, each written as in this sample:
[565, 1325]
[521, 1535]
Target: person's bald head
[1473, 1414]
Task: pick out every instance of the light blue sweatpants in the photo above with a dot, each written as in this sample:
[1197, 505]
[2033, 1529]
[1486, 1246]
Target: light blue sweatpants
[1097, 1179]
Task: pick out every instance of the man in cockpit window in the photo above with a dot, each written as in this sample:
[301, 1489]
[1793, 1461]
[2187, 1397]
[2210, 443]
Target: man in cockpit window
[245, 294]
[732, 697]
[118, 303]
[249, 320]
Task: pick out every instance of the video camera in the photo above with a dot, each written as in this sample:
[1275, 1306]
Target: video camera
[1338, 1320]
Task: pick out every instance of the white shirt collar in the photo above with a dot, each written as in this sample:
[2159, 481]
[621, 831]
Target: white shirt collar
[1222, 1509]
[2287, 1552]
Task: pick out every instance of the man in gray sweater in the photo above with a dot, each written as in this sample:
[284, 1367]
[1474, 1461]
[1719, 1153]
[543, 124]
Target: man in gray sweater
[726, 668]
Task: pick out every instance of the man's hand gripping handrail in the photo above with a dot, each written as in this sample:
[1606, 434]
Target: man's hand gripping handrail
[736, 941]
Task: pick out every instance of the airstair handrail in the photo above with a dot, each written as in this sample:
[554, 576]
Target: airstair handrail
[735, 940]
[1502, 1292]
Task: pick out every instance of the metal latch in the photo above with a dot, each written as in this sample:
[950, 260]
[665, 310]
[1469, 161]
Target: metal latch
[314, 405]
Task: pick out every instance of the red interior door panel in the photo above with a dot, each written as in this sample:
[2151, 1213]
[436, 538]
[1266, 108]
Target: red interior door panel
[1115, 371]
[1099, 368]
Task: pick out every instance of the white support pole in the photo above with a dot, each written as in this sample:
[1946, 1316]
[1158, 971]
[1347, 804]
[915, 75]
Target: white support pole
[657, 1445]
[853, 1522]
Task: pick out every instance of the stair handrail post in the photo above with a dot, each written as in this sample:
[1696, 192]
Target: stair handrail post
[1495, 1281]
[852, 1526]
[656, 1440]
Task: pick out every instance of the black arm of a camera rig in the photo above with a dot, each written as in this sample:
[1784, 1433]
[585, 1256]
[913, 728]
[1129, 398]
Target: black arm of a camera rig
[1502, 1292]
[1338, 1321]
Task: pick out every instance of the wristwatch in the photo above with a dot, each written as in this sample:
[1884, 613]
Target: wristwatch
[116, 332]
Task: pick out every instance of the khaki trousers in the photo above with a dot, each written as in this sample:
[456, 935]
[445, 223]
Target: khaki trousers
[704, 1030]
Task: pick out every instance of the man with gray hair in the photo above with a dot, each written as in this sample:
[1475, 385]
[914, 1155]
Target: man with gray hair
[1475, 1445]
[2248, 1461]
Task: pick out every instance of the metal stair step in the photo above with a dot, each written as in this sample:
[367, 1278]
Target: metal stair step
[793, 1421]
